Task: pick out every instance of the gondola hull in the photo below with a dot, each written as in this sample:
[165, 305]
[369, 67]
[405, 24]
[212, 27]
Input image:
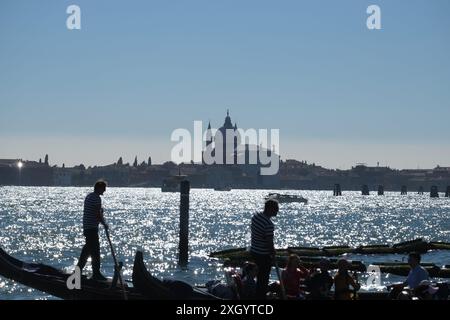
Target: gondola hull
[54, 282]
[156, 289]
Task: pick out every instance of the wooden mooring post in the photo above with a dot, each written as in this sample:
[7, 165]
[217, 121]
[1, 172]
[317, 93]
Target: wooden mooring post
[183, 257]
[420, 190]
[404, 190]
[337, 190]
[434, 192]
[365, 190]
[381, 190]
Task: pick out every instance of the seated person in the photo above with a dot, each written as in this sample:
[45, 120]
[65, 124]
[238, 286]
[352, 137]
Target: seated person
[343, 281]
[248, 276]
[230, 290]
[221, 290]
[416, 275]
[293, 277]
[320, 282]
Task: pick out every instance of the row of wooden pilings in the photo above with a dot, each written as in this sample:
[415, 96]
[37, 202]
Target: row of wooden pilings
[434, 191]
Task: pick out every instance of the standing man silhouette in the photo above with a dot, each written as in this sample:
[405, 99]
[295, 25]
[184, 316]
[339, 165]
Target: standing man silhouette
[92, 216]
[262, 246]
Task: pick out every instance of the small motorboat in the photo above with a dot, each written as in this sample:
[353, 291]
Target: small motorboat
[222, 188]
[172, 184]
[286, 198]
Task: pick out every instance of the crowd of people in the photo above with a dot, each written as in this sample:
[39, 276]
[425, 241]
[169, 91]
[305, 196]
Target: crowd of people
[295, 281]
[299, 283]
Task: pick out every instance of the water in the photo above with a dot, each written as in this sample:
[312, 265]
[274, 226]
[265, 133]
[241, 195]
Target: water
[43, 224]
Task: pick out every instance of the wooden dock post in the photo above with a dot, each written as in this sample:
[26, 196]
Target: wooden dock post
[447, 192]
[337, 190]
[365, 190]
[420, 190]
[381, 190]
[434, 192]
[404, 190]
[183, 257]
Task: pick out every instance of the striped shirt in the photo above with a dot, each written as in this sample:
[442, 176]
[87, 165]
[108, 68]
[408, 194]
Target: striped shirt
[262, 234]
[92, 207]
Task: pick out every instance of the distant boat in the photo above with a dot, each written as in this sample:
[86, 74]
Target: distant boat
[286, 198]
[172, 184]
[222, 188]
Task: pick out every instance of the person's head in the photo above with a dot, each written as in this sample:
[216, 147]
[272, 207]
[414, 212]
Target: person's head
[342, 265]
[414, 259]
[271, 208]
[100, 187]
[324, 265]
[293, 262]
[250, 270]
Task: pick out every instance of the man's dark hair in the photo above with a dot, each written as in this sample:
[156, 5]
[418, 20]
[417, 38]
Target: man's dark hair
[416, 256]
[271, 206]
[99, 185]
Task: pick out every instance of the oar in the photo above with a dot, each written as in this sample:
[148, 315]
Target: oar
[283, 290]
[116, 265]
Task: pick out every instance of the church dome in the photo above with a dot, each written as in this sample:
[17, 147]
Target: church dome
[221, 136]
[227, 125]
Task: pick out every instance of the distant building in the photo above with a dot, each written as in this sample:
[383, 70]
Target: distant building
[9, 171]
[29, 173]
[246, 163]
[62, 177]
[221, 144]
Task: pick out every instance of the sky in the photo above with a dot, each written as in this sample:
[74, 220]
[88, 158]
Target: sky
[340, 94]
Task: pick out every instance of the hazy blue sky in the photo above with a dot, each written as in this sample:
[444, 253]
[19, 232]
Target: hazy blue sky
[137, 70]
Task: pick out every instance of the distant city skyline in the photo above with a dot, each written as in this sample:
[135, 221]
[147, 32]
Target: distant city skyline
[339, 93]
[56, 159]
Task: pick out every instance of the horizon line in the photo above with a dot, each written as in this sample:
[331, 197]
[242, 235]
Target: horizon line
[130, 163]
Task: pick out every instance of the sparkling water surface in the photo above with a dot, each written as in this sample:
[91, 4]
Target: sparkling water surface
[44, 224]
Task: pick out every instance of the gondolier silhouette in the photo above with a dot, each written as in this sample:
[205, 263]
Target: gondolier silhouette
[92, 217]
[262, 247]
